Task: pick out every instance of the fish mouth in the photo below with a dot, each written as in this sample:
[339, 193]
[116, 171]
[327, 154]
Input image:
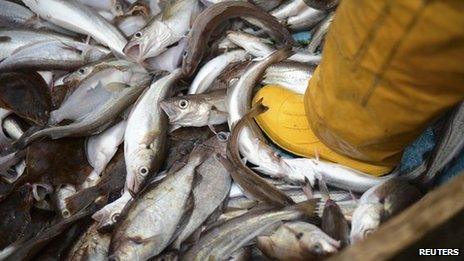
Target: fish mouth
[134, 51]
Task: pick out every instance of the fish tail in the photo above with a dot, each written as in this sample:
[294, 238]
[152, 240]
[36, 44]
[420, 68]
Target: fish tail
[82, 199]
[308, 207]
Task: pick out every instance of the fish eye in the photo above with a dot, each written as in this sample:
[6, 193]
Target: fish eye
[222, 136]
[183, 104]
[118, 7]
[317, 248]
[368, 232]
[81, 70]
[184, 54]
[114, 218]
[143, 171]
[138, 34]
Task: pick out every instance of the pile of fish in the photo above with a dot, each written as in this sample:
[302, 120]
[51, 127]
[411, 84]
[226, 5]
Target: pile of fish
[127, 133]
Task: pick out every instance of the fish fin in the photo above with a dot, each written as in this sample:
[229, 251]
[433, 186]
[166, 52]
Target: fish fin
[324, 189]
[308, 189]
[211, 127]
[308, 207]
[82, 199]
[353, 196]
[115, 86]
[189, 206]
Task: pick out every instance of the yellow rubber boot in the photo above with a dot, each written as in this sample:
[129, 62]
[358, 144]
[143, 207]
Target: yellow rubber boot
[285, 123]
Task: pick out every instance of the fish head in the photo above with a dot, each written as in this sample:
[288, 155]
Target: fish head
[139, 167]
[118, 7]
[218, 143]
[319, 244]
[186, 111]
[190, 62]
[366, 219]
[149, 42]
[74, 78]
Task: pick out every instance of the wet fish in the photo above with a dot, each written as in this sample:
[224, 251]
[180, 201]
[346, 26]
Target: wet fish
[15, 215]
[211, 189]
[53, 55]
[261, 47]
[320, 33]
[115, 7]
[92, 245]
[209, 20]
[93, 122]
[230, 75]
[379, 204]
[146, 132]
[221, 241]
[13, 39]
[146, 230]
[297, 241]
[163, 30]
[106, 81]
[196, 110]
[168, 60]
[144, 144]
[292, 76]
[77, 17]
[322, 5]
[306, 19]
[213, 68]
[101, 148]
[333, 221]
[63, 192]
[14, 15]
[181, 142]
[131, 24]
[27, 95]
[287, 9]
[251, 182]
[113, 179]
[448, 147]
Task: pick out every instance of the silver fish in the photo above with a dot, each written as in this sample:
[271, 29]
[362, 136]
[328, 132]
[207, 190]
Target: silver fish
[99, 86]
[449, 146]
[144, 144]
[220, 241]
[293, 76]
[287, 9]
[169, 60]
[61, 194]
[115, 7]
[320, 33]
[92, 245]
[163, 31]
[306, 19]
[146, 132]
[131, 24]
[100, 149]
[380, 203]
[53, 55]
[261, 47]
[146, 230]
[93, 122]
[196, 109]
[297, 241]
[211, 190]
[213, 68]
[77, 17]
[13, 39]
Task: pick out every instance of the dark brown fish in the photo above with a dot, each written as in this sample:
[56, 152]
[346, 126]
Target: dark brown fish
[213, 16]
[59, 93]
[15, 215]
[229, 75]
[113, 179]
[334, 223]
[182, 141]
[249, 181]
[27, 95]
[322, 4]
[57, 162]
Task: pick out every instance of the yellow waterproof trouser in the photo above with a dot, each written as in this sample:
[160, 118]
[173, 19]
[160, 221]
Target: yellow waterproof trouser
[389, 68]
